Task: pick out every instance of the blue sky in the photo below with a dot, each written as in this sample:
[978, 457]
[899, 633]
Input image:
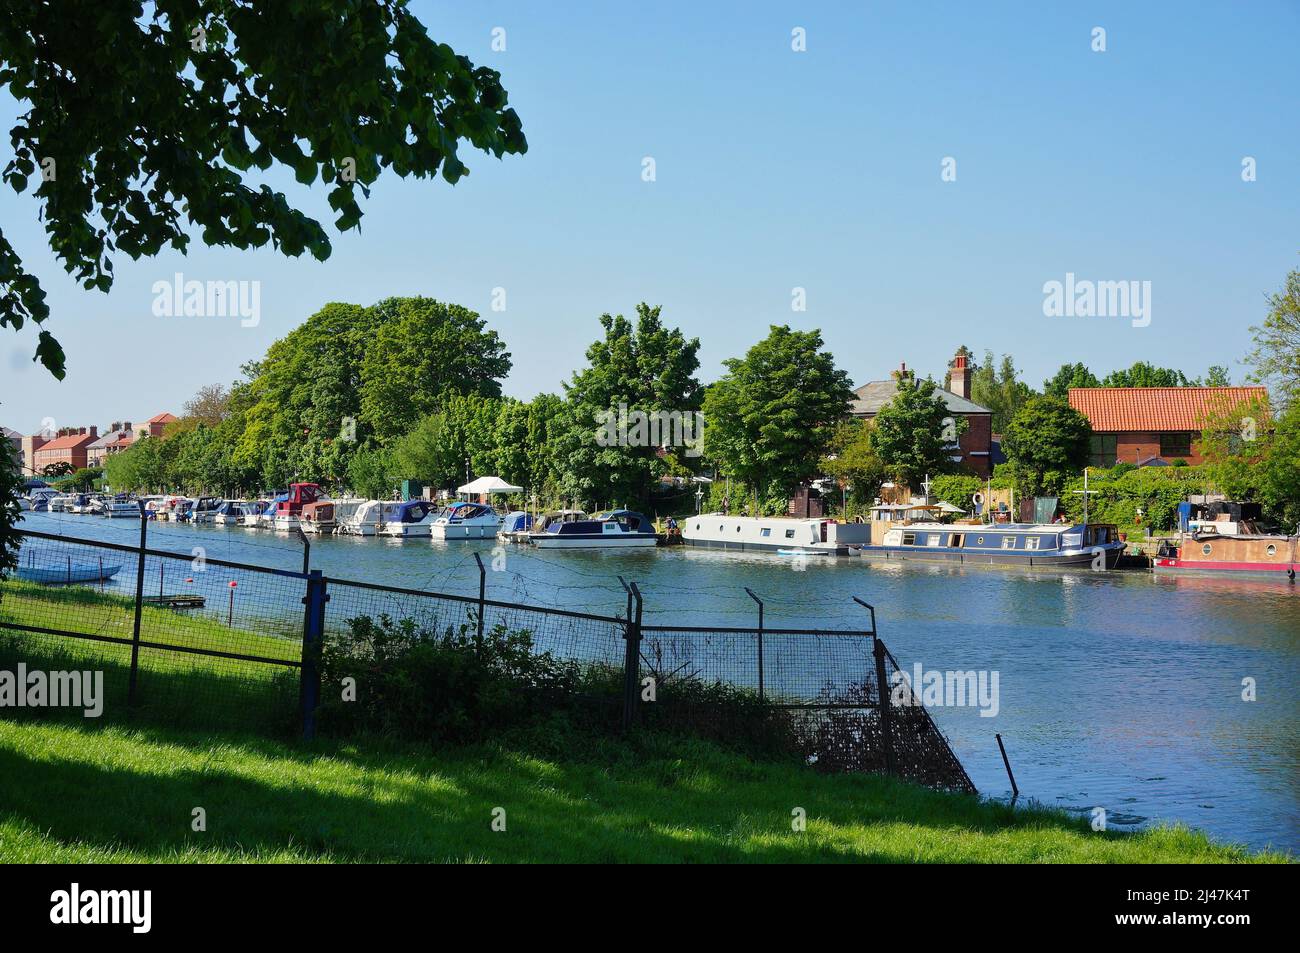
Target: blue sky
[775, 170]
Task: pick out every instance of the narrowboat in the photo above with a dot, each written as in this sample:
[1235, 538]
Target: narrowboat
[466, 521]
[1224, 537]
[1087, 545]
[405, 520]
[617, 529]
[774, 534]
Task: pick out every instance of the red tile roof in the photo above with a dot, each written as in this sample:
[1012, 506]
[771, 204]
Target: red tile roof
[1157, 409]
[71, 442]
[163, 418]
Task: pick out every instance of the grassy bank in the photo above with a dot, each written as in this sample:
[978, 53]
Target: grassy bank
[74, 792]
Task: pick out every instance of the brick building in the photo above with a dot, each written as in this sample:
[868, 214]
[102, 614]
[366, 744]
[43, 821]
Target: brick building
[1154, 425]
[973, 450]
[72, 449]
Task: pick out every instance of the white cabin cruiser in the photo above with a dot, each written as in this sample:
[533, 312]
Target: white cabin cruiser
[408, 519]
[466, 521]
[364, 521]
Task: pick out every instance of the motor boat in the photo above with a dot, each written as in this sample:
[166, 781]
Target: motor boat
[121, 508]
[364, 521]
[412, 518]
[204, 509]
[466, 521]
[251, 513]
[289, 509]
[515, 527]
[616, 529]
[322, 517]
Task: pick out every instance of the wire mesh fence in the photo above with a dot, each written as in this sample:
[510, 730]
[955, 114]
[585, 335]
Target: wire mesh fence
[226, 644]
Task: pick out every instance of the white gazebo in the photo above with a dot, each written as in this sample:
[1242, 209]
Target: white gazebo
[487, 485]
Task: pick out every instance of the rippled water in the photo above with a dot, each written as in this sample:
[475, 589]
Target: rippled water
[1118, 690]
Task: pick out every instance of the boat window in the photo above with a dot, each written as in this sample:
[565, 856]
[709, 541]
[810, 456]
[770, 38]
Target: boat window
[737, 529]
[1032, 542]
[789, 534]
[956, 539]
[1205, 550]
[697, 525]
[611, 527]
[1008, 542]
[1272, 550]
[979, 540]
[909, 539]
[935, 539]
[765, 531]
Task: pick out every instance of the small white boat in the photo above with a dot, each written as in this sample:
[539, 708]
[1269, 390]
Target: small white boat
[204, 509]
[515, 527]
[119, 509]
[466, 521]
[69, 573]
[251, 513]
[228, 513]
[60, 502]
[409, 519]
[364, 521]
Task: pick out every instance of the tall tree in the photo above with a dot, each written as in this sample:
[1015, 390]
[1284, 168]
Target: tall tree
[142, 120]
[1070, 375]
[998, 387]
[210, 405]
[1276, 353]
[771, 417]
[420, 352]
[1047, 441]
[912, 434]
[642, 368]
[1142, 374]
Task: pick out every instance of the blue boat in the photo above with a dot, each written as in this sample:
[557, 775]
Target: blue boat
[617, 529]
[515, 527]
[1088, 545]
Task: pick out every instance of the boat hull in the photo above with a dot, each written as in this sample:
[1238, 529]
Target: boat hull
[404, 530]
[1285, 572]
[780, 548]
[454, 531]
[575, 541]
[70, 574]
[1078, 560]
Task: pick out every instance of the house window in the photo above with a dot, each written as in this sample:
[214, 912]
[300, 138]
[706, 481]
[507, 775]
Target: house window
[1103, 450]
[1175, 445]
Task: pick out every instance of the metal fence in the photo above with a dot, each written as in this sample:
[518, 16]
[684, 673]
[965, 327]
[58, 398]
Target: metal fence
[223, 643]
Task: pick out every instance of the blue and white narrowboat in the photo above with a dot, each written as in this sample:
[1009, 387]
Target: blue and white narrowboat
[618, 529]
[1088, 545]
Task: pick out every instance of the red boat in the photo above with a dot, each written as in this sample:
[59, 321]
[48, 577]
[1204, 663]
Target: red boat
[1224, 539]
[288, 511]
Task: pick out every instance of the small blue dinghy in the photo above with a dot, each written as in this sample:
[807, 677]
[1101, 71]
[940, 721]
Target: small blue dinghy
[71, 573]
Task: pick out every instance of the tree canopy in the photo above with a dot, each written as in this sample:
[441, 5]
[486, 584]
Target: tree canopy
[914, 432]
[771, 417]
[144, 122]
[1045, 442]
[1276, 352]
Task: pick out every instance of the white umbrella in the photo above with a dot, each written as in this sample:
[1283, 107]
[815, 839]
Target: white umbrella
[489, 484]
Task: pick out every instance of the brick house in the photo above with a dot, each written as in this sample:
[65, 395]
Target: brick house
[118, 438]
[71, 449]
[1154, 425]
[157, 423]
[974, 448]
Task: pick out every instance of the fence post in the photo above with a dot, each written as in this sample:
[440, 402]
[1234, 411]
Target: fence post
[313, 636]
[482, 600]
[760, 640]
[139, 608]
[632, 662]
[882, 690]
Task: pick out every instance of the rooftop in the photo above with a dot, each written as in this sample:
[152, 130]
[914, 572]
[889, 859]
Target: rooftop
[71, 442]
[1158, 409]
[876, 394]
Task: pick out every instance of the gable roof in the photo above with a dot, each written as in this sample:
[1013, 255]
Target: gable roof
[1157, 409]
[876, 394]
[110, 438]
[163, 418]
[71, 442]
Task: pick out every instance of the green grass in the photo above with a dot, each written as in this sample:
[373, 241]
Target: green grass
[122, 788]
[116, 794]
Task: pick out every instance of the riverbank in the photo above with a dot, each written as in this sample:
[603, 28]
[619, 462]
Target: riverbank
[75, 793]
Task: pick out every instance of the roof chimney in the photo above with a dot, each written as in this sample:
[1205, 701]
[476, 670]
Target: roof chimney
[959, 377]
[94, 431]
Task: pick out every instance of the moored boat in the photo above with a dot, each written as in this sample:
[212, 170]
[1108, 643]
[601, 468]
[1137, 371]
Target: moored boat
[1087, 545]
[407, 519]
[772, 534]
[364, 522]
[465, 521]
[515, 527]
[617, 529]
[69, 573]
[322, 517]
[1224, 538]
[288, 509]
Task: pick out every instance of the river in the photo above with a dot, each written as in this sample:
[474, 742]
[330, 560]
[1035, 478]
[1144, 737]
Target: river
[1119, 690]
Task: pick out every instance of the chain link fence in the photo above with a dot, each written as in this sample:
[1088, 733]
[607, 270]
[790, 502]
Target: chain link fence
[216, 643]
